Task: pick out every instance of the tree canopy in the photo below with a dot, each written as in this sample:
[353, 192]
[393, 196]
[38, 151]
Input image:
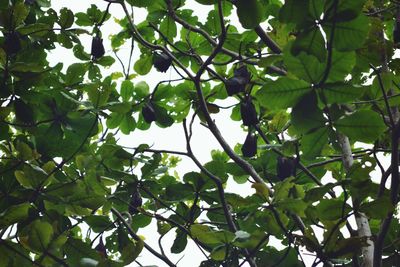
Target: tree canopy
[313, 84]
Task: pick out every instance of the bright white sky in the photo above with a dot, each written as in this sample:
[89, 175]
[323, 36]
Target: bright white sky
[171, 138]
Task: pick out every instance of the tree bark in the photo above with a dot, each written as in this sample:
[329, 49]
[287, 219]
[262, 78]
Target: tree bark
[363, 228]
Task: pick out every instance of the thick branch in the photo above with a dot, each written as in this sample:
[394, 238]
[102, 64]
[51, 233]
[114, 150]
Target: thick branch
[267, 40]
[361, 219]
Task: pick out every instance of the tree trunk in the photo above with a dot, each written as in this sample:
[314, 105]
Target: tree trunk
[363, 228]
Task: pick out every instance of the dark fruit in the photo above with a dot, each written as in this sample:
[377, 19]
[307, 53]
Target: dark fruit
[248, 112]
[235, 85]
[286, 167]
[30, 2]
[136, 202]
[242, 72]
[249, 148]
[12, 43]
[148, 112]
[97, 47]
[101, 249]
[162, 62]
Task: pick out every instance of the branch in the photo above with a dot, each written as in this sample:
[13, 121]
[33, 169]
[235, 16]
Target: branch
[330, 46]
[267, 40]
[394, 196]
[361, 219]
[137, 238]
[210, 39]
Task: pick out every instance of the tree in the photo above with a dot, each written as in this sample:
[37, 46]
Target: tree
[313, 83]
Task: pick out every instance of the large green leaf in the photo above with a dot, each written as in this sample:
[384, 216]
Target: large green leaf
[313, 143]
[310, 41]
[38, 235]
[306, 116]
[341, 65]
[364, 126]
[250, 13]
[349, 35]
[289, 13]
[282, 93]
[346, 10]
[332, 209]
[341, 92]
[304, 66]
[14, 214]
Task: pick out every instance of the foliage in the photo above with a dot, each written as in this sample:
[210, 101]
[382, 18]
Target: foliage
[314, 83]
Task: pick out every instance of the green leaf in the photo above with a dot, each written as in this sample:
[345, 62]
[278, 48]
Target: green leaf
[105, 61]
[178, 191]
[347, 247]
[168, 27]
[39, 234]
[180, 242]
[19, 14]
[341, 65]
[82, 19]
[127, 90]
[296, 206]
[306, 116]
[98, 223]
[75, 73]
[377, 209]
[128, 124]
[363, 125]
[313, 143]
[282, 93]
[347, 10]
[77, 250]
[114, 120]
[143, 65]
[304, 66]
[141, 89]
[332, 209]
[37, 29]
[349, 35]
[14, 214]
[289, 13]
[341, 92]
[250, 13]
[218, 253]
[66, 19]
[310, 41]
[131, 251]
[205, 235]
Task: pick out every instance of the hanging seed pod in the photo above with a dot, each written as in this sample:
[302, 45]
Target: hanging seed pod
[235, 85]
[12, 43]
[162, 62]
[97, 47]
[101, 249]
[285, 167]
[249, 148]
[242, 72]
[148, 112]
[248, 113]
[136, 202]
